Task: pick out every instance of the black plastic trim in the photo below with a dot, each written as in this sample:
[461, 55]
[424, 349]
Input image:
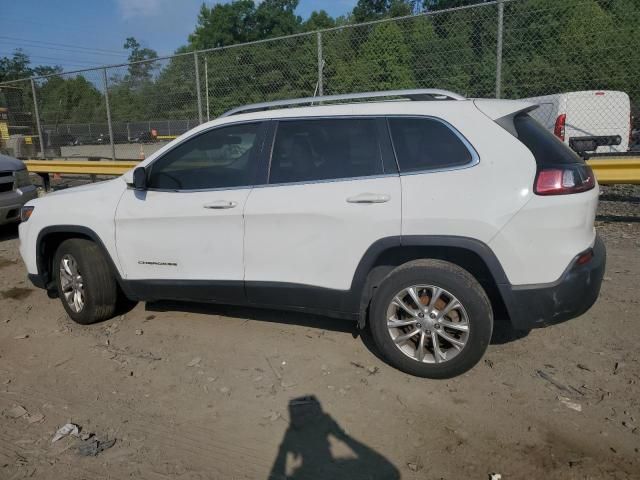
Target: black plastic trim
[42, 263]
[215, 291]
[568, 297]
[528, 306]
[37, 280]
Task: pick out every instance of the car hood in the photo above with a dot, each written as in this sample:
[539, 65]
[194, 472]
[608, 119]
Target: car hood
[10, 163]
[89, 187]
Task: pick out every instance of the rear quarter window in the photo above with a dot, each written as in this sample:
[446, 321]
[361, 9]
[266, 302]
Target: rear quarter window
[427, 144]
[546, 147]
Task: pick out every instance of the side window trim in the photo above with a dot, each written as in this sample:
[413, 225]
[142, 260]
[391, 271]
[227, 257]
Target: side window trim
[389, 162]
[271, 140]
[256, 156]
[475, 158]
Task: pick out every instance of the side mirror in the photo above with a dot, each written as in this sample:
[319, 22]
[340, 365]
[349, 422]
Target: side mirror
[140, 178]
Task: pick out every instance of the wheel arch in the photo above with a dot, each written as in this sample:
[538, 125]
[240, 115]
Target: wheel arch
[473, 255]
[50, 238]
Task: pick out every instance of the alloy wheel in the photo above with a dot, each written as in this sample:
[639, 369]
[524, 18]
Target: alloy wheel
[427, 323]
[71, 283]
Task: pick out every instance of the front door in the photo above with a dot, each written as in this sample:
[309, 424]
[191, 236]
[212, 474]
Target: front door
[187, 228]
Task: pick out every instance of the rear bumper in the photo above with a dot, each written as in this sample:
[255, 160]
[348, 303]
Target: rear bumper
[572, 295]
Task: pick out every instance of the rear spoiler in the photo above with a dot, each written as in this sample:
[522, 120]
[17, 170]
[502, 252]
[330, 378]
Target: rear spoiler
[503, 111]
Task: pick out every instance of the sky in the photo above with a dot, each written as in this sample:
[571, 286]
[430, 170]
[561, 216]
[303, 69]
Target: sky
[78, 34]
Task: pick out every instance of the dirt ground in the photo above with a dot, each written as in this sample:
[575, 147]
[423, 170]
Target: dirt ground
[210, 392]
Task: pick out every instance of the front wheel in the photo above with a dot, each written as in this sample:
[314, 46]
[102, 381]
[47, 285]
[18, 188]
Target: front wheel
[431, 318]
[85, 282]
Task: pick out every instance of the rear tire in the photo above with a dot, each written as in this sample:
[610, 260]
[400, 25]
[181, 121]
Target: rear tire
[85, 281]
[431, 318]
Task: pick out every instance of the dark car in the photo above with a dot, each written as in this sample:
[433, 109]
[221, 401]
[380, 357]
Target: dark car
[142, 137]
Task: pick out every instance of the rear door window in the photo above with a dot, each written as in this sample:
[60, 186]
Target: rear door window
[426, 144]
[546, 147]
[325, 149]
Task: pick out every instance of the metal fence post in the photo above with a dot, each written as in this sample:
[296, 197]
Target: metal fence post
[499, 49]
[106, 102]
[195, 60]
[320, 65]
[36, 111]
[206, 85]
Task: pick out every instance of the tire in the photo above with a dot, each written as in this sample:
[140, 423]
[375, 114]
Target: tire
[469, 326]
[98, 285]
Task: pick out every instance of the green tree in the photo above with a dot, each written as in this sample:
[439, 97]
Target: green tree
[69, 100]
[141, 61]
[223, 24]
[18, 65]
[367, 10]
[383, 62]
[318, 20]
[276, 18]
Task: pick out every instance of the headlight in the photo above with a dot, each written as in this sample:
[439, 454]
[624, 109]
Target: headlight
[25, 213]
[22, 178]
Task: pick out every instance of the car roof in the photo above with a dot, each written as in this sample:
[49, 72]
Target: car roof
[494, 108]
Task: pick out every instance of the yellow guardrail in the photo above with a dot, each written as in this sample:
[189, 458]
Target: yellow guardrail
[80, 167]
[614, 170]
[46, 167]
[608, 171]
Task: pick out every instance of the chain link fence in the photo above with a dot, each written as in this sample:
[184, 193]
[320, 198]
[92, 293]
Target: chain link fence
[541, 49]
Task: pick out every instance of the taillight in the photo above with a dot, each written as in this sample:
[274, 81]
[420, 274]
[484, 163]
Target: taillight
[558, 130]
[562, 180]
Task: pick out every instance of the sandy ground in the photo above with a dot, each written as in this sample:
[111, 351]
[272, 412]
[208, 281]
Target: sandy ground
[200, 392]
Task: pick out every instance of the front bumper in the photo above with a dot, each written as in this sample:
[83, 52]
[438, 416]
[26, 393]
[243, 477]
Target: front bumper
[11, 202]
[534, 306]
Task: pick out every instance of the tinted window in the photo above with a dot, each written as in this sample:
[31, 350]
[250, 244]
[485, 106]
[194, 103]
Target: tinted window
[219, 158]
[323, 149]
[545, 146]
[425, 144]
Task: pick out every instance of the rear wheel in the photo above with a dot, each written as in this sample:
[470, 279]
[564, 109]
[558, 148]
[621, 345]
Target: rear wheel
[85, 282]
[432, 319]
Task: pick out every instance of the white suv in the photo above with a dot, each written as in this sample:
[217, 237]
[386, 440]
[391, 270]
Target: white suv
[422, 217]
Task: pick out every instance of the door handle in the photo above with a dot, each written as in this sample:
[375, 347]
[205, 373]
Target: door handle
[220, 204]
[369, 198]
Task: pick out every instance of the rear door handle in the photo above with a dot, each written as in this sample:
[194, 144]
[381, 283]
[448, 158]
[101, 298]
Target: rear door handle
[369, 198]
[220, 204]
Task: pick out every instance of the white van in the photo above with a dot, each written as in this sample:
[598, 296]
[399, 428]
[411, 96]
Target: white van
[589, 119]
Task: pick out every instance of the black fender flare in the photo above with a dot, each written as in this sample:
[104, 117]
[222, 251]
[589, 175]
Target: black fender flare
[42, 260]
[359, 287]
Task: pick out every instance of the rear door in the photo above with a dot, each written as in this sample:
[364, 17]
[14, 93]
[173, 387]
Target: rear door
[329, 197]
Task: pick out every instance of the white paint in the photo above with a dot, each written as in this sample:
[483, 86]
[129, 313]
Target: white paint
[310, 234]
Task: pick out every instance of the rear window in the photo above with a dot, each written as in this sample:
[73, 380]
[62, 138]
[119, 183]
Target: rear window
[545, 146]
[426, 144]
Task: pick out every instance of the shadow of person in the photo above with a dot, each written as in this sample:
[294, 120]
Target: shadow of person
[306, 449]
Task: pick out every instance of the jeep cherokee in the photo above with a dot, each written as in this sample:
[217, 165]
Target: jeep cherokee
[418, 212]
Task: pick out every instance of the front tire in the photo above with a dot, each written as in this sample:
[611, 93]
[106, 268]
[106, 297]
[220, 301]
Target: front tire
[85, 282]
[431, 318]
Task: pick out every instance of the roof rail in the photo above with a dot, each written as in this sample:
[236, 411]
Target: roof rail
[415, 94]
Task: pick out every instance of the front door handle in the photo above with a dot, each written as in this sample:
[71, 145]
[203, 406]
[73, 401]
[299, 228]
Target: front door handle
[220, 204]
[369, 198]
